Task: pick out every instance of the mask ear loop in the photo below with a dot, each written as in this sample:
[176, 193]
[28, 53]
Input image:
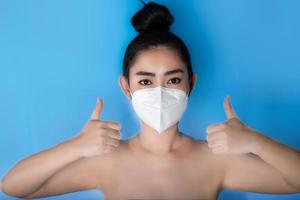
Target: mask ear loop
[129, 88]
[191, 87]
[131, 94]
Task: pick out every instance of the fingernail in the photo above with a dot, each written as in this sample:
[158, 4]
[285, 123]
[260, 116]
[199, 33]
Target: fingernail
[118, 126]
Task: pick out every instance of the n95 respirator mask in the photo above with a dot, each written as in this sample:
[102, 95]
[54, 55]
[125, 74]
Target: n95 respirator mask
[159, 107]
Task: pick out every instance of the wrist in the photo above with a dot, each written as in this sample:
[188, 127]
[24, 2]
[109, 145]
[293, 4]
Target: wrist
[258, 140]
[71, 148]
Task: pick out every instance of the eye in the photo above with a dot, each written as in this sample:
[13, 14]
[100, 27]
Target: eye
[144, 82]
[174, 80]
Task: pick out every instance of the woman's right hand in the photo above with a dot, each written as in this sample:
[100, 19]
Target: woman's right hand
[97, 137]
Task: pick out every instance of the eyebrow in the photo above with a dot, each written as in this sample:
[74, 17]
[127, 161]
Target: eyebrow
[143, 73]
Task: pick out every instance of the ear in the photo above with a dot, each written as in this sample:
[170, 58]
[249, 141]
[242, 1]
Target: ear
[193, 82]
[124, 86]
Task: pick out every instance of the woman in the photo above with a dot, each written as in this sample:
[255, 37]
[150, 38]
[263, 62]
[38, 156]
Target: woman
[160, 162]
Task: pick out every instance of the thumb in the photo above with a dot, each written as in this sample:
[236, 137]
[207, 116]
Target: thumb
[228, 108]
[97, 110]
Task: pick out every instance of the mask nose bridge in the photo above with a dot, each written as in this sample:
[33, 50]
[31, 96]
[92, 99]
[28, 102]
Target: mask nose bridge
[160, 88]
[160, 95]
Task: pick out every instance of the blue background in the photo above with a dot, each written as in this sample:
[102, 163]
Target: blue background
[57, 56]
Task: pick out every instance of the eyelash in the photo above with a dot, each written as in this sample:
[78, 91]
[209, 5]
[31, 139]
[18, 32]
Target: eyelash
[176, 78]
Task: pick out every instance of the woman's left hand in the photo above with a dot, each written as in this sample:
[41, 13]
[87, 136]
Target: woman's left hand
[232, 136]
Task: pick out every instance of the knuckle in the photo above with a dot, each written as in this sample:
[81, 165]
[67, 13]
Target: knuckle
[97, 132]
[223, 133]
[226, 126]
[115, 134]
[99, 124]
[209, 139]
[115, 142]
[112, 124]
[213, 136]
[118, 135]
[101, 130]
[116, 124]
[223, 125]
[94, 122]
[91, 121]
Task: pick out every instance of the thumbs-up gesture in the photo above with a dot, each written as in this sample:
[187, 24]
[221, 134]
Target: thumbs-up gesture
[97, 137]
[231, 136]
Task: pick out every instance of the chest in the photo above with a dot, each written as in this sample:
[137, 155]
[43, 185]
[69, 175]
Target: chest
[157, 180]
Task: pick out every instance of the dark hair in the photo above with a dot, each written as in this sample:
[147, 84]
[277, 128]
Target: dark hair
[153, 23]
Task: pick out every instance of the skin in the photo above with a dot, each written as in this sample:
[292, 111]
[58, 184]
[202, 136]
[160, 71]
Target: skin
[170, 165]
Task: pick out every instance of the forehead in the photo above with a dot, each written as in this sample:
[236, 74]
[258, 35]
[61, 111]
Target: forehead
[157, 60]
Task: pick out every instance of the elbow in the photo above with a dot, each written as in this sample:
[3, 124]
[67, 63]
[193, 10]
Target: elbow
[294, 188]
[6, 188]
[9, 189]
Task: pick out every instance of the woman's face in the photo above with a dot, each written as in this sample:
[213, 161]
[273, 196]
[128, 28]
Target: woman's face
[157, 67]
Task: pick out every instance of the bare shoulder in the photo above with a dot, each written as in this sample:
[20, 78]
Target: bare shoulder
[206, 164]
[197, 146]
[205, 158]
[217, 161]
[104, 164]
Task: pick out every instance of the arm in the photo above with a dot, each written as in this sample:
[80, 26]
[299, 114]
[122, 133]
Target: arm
[63, 164]
[282, 157]
[82, 174]
[31, 173]
[249, 172]
[251, 160]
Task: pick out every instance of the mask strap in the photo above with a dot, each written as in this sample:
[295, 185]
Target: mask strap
[130, 93]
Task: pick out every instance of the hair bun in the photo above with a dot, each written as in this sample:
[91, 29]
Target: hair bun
[152, 17]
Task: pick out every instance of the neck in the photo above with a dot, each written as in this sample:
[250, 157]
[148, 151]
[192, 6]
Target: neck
[154, 142]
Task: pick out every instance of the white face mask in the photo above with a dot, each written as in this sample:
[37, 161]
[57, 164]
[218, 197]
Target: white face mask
[159, 107]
